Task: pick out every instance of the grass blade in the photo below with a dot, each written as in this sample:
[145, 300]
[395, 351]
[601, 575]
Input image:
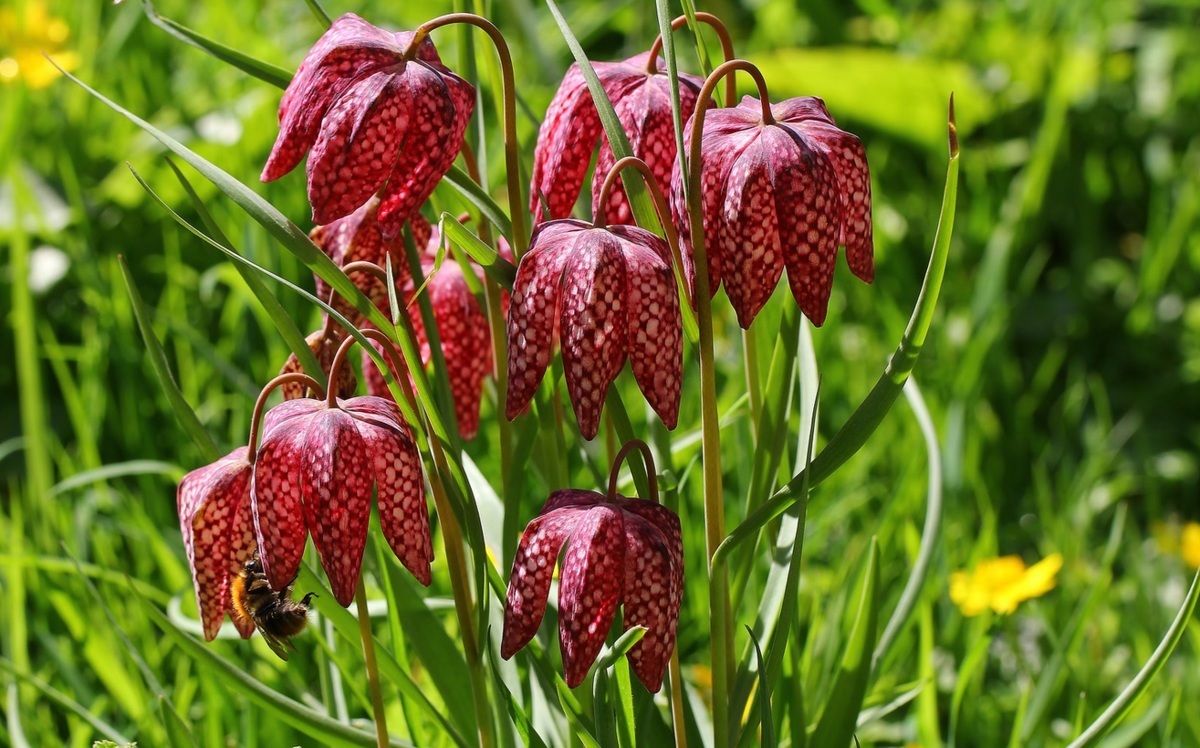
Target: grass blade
[499, 269]
[260, 69]
[518, 715]
[840, 717]
[1121, 705]
[79, 710]
[767, 735]
[158, 359]
[178, 732]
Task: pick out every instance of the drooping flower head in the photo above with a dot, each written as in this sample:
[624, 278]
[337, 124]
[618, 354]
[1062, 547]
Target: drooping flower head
[608, 294]
[314, 473]
[782, 187]
[640, 94]
[463, 328]
[373, 118]
[618, 551]
[218, 532]
[324, 344]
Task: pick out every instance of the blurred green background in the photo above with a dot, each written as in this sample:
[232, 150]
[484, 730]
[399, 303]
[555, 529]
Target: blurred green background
[1063, 369]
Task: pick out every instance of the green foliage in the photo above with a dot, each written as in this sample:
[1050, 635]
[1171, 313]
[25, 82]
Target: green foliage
[1059, 375]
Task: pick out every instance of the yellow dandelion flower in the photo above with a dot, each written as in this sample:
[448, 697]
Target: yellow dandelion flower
[1189, 544]
[1002, 584]
[24, 36]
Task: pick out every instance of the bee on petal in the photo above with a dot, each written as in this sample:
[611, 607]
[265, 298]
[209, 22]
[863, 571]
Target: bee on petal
[273, 612]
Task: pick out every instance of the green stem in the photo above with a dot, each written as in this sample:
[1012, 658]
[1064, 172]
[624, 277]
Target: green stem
[368, 643]
[512, 154]
[753, 382]
[721, 617]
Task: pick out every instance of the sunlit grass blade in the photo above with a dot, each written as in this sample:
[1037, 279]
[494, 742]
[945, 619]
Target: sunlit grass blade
[840, 716]
[260, 69]
[929, 535]
[574, 711]
[663, 8]
[516, 713]
[607, 698]
[319, 12]
[158, 359]
[118, 470]
[291, 334]
[498, 268]
[308, 721]
[178, 732]
[60, 698]
[1121, 705]
[766, 736]
[867, 417]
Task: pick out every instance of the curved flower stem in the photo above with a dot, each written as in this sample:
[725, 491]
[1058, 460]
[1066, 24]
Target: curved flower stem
[512, 162]
[368, 644]
[335, 369]
[660, 206]
[261, 403]
[721, 619]
[726, 48]
[615, 471]
[393, 356]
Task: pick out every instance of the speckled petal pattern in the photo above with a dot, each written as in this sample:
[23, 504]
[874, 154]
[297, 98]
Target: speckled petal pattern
[593, 324]
[590, 588]
[213, 503]
[564, 148]
[279, 524]
[849, 160]
[752, 260]
[647, 600]
[325, 348]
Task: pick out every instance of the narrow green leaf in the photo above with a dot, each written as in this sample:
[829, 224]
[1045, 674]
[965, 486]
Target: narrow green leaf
[518, 715]
[668, 46]
[1121, 705]
[931, 533]
[604, 711]
[264, 71]
[498, 268]
[609, 656]
[177, 731]
[837, 723]
[310, 722]
[291, 334]
[976, 656]
[573, 710]
[79, 710]
[117, 470]
[767, 735]
[474, 194]
[158, 359]
[319, 12]
[867, 417]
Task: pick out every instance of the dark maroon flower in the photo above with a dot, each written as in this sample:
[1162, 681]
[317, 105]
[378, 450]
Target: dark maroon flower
[314, 473]
[781, 193]
[463, 328]
[371, 117]
[620, 551]
[610, 295]
[218, 532]
[567, 139]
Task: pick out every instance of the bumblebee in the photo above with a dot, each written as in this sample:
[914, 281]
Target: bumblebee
[273, 612]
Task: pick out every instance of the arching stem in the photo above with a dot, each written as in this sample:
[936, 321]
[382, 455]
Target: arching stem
[721, 620]
[615, 471]
[368, 644]
[261, 404]
[335, 370]
[726, 48]
[512, 162]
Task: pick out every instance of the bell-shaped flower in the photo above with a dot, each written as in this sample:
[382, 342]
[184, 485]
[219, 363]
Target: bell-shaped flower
[779, 191]
[640, 93]
[463, 328]
[218, 532]
[618, 550]
[374, 117]
[315, 472]
[609, 295]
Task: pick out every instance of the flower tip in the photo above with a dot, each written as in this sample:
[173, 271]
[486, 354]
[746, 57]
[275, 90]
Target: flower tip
[953, 129]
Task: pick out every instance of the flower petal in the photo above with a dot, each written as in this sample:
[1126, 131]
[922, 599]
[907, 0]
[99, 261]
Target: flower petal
[751, 256]
[533, 311]
[590, 588]
[649, 585]
[359, 141]
[403, 515]
[655, 326]
[441, 106]
[276, 501]
[593, 323]
[809, 213]
[466, 343]
[286, 411]
[849, 160]
[532, 570]
[336, 481]
[213, 502]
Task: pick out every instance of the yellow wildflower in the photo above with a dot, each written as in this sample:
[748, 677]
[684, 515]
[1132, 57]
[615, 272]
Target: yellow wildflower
[24, 36]
[1003, 583]
[1189, 543]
